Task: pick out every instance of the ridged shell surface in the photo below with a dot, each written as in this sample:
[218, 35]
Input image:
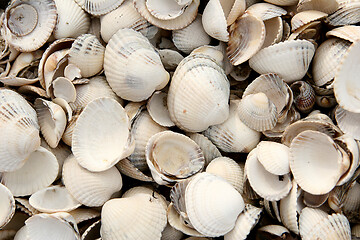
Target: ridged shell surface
[99, 7]
[7, 205]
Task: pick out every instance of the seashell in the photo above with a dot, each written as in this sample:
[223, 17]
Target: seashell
[218, 14]
[274, 157]
[348, 32]
[87, 53]
[281, 58]
[70, 12]
[157, 108]
[302, 18]
[309, 218]
[7, 207]
[143, 128]
[228, 169]
[125, 16]
[217, 217]
[345, 14]
[172, 156]
[23, 61]
[196, 105]
[53, 199]
[146, 190]
[170, 233]
[179, 22]
[140, 216]
[170, 58]
[102, 148]
[64, 88]
[177, 196]
[347, 122]
[247, 35]
[304, 96]
[345, 82]
[71, 71]
[245, 222]
[97, 8]
[265, 11]
[217, 53]
[17, 81]
[59, 225]
[31, 177]
[30, 31]
[307, 145]
[274, 231]
[283, 2]
[65, 106]
[351, 204]
[166, 10]
[135, 53]
[269, 186]
[133, 109]
[92, 232]
[24, 206]
[185, 40]
[326, 6]
[19, 130]
[92, 189]
[209, 150]
[355, 232]
[257, 112]
[127, 168]
[326, 60]
[52, 121]
[67, 135]
[273, 31]
[83, 214]
[314, 201]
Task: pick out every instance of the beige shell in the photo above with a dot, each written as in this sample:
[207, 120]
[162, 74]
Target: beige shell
[345, 14]
[348, 122]
[305, 17]
[326, 6]
[157, 108]
[347, 32]
[283, 57]
[265, 11]
[67, 136]
[87, 53]
[274, 157]
[167, 10]
[96, 7]
[209, 150]
[63, 88]
[274, 29]
[127, 168]
[19, 130]
[29, 24]
[170, 58]
[92, 189]
[138, 71]
[283, 2]
[82, 214]
[7, 206]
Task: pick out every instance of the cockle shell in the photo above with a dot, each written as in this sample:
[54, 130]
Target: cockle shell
[170, 58]
[265, 11]
[96, 7]
[7, 206]
[157, 108]
[131, 51]
[347, 122]
[166, 10]
[108, 143]
[209, 150]
[92, 232]
[348, 32]
[127, 168]
[19, 130]
[29, 24]
[302, 18]
[326, 6]
[274, 29]
[345, 14]
[282, 2]
[274, 157]
[63, 88]
[198, 94]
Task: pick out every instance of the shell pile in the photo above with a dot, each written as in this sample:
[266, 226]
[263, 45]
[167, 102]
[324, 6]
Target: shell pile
[179, 119]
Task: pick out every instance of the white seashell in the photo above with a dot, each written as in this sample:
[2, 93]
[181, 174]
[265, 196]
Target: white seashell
[345, 14]
[274, 29]
[265, 11]
[21, 234]
[324, 163]
[64, 88]
[67, 136]
[65, 106]
[19, 130]
[125, 16]
[274, 230]
[127, 168]
[233, 135]
[52, 121]
[274, 157]
[347, 32]
[347, 122]
[185, 40]
[82, 214]
[247, 35]
[92, 232]
[17, 81]
[245, 222]
[218, 14]
[92, 189]
[310, 218]
[31, 177]
[140, 216]
[170, 58]
[96, 7]
[170, 233]
[57, 225]
[326, 6]
[146, 190]
[218, 216]
[196, 105]
[28, 24]
[281, 58]
[179, 22]
[53, 199]
[71, 71]
[314, 201]
[229, 170]
[105, 145]
[217, 53]
[269, 186]
[157, 109]
[72, 21]
[283, 2]
[209, 150]
[7, 206]
[24, 206]
[139, 71]
[302, 18]
[166, 10]
[22, 61]
[346, 85]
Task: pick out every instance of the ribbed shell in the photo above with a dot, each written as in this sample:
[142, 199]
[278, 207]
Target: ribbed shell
[209, 150]
[274, 157]
[265, 11]
[302, 18]
[326, 6]
[157, 108]
[289, 209]
[348, 122]
[7, 205]
[348, 32]
[99, 7]
[274, 29]
[346, 14]
[304, 96]
[283, 2]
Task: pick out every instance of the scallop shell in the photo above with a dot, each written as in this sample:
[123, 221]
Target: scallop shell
[30, 31]
[326, 6]
[290, 209]
[140, 216]
[185, 40]
[274, 157]
[96, 7]
[7, 206]
[309, 218]
[209, 150]
[302, 18]
[345, 83]
[139, 71]
[157, 108]
[53, 199]
[196, 105]
[324, 163]
[265, 11]
[345, 14]
[348, 122]
[52, 121]
[92, 189]
[247, 35]
[87, 53]
[106, 144]
[281, 58]
[70, 12]
[31, 177]
[179, 22]
[19, 130]
[217, 217]
[349, 32]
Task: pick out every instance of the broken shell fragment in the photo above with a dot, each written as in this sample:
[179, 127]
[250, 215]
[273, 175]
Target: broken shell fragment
[7, 205]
